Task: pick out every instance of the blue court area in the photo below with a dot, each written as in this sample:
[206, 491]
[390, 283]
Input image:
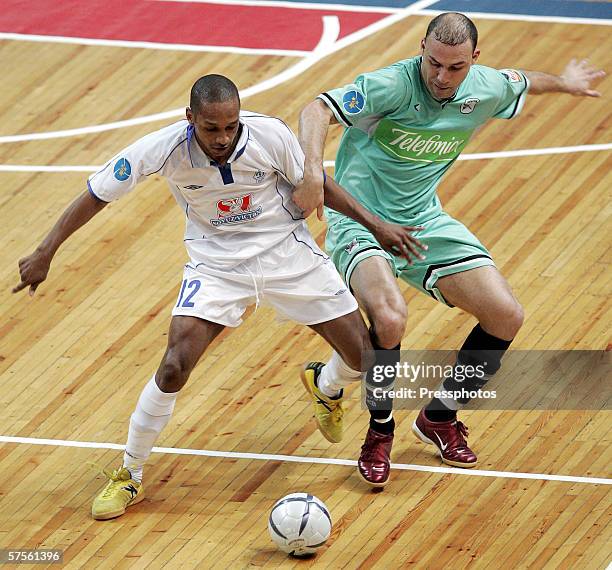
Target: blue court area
[564, 8]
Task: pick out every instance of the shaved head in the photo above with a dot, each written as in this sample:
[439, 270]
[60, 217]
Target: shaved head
[212, 89]
[448, 51]
[452, 28]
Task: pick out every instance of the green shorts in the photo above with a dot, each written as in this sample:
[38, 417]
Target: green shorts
[452, 249]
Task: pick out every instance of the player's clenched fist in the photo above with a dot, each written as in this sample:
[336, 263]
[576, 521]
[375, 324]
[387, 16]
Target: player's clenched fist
[33, 270]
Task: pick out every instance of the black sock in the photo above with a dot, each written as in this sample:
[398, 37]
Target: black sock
[481, 340]
[471, 352]
[381, 408]
[385, 428]
[436, 411]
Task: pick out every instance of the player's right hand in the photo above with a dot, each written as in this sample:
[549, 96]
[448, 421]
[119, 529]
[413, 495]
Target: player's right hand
[33, 270]
[578, 77]
[398, 239]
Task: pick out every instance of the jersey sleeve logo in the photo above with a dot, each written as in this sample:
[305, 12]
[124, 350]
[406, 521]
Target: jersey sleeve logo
[512, 75]
[122, 169]
[353, 102]
[235, 211]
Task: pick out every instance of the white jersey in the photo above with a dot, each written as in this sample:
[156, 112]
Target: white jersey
[233, 212]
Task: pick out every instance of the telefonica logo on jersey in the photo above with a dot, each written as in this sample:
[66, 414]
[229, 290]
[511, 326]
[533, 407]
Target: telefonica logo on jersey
[420, 145]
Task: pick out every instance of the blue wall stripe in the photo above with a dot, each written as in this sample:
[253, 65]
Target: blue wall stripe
[565, 8]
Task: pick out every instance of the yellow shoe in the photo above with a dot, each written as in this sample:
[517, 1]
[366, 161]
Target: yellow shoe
[328, 411]
[118, 494]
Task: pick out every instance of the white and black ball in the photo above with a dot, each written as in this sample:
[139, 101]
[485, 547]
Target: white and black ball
[299, 524]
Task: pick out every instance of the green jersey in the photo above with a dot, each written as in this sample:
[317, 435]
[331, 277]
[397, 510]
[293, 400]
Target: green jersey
[399, 141]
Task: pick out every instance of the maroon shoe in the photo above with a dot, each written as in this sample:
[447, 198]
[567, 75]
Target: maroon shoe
[374, 462]
[448, 437]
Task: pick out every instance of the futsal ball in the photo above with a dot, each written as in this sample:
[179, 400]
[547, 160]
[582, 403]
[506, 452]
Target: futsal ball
[299, 524]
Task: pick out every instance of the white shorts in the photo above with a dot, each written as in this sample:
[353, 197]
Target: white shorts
[295, 277]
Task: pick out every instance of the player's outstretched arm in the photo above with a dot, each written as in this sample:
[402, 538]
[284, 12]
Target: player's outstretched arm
[33, 269]
[577, 79]
[315, 119]
[392, 237]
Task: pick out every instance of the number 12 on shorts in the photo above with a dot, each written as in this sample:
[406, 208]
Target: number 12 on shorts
[192, 288]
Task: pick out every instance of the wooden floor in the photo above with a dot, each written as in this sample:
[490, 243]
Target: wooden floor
[73, 359]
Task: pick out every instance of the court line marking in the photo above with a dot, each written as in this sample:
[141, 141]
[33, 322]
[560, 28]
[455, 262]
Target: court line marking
[320, 460]
[331, 163]
[521, 152]
[387, 10]
[295, 5]
[58, 168]
[326, 46]
[152, 45]
[537, 151]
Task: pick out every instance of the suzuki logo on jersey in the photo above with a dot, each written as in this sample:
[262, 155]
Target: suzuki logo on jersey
[468, 106]
[236, 211]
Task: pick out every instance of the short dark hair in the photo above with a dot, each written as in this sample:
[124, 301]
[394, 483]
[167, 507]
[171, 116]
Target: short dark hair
[212, 88]
[453, 28]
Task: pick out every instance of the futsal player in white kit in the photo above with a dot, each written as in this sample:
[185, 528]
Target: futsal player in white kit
[233, 173]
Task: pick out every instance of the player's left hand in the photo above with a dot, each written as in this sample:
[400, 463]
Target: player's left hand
[578, 76]
[308, 195]
[398, 239]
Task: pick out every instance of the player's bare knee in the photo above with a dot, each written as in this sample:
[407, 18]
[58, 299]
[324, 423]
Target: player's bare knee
[516, 317]
[506, 320]
[390, 326]
[172, 373]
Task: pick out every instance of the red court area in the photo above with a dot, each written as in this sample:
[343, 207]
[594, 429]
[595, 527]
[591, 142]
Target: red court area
[177, 22]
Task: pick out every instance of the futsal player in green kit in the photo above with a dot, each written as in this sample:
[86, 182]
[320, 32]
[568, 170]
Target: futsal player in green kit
[405, 125]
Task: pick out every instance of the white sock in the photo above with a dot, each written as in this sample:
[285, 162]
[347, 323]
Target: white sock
[335, 375]
[152, 413]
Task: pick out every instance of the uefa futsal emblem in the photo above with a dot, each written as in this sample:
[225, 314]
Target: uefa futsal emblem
[122, 169]
[353, 102]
